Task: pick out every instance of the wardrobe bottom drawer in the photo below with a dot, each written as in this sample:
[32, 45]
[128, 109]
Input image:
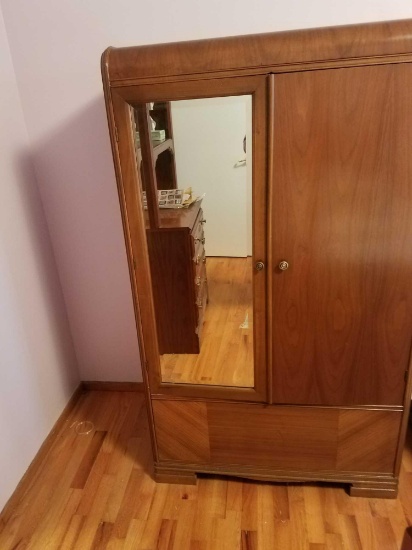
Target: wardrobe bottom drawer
[279, 437]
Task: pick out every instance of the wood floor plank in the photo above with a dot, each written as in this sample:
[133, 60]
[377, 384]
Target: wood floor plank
[211, 504]
[265, 516]
[330, 512]
[134, 534]
[314, 519]
[92, 521]
[89, 458]
[234, 495]
[102, 536]
[72, 532]
[250, 519]
[249, 540]
[366, 531]
[350, 533]
[384, 533]
[184, 526]
[298, 517]
[154, 520]
[334, 541]
[118, 505]
[397, 520]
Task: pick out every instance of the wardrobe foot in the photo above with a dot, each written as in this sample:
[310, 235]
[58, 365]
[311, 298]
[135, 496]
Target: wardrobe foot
[170, 475]
[372, 489]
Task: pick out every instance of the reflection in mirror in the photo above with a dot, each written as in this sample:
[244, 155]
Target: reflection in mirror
[191, 156]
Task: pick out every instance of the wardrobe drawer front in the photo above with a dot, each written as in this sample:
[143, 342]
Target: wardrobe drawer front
[198, 234]
[200, 277]
[201, 295]
[199, 242]
[312, 439]
[201, 305]
[199, 256]
[198, 225]
[200, 265]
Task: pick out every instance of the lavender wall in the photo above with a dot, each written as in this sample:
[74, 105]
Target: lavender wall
[56, 48]
[37, 360]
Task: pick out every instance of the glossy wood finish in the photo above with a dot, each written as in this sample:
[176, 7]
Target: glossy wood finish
[133, 219]
[240, 65]
[226, 353]
[313, 439]
[177, 424]
[342, 210]
[121, 507]
[173, 272]
[264, 53]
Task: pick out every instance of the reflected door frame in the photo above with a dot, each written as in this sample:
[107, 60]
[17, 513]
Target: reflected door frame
[123, 98]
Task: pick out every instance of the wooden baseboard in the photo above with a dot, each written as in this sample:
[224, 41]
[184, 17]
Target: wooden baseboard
[113, 386]
[38, 460]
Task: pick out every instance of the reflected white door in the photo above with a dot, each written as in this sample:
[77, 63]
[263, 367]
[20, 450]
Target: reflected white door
[208, 139]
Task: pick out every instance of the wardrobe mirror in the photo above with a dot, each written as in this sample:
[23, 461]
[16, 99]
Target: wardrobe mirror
[196, 156]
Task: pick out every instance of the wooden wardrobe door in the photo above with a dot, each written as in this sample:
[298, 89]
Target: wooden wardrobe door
[342, 218]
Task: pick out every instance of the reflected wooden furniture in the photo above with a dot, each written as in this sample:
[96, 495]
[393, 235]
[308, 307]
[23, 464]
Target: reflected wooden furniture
[332, 197]
[178, 271]
[175, 240]
[163, 150]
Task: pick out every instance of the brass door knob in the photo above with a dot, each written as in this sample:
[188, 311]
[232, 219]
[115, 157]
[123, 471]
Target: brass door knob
[283, 265]
[259, 266]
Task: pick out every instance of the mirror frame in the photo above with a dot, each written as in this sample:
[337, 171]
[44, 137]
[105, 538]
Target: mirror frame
[119, 100]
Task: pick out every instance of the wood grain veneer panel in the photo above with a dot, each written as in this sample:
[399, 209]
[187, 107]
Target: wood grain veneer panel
[286, 438]
[368, 438]
[342, 211]
[303, 438]
[276, 437]
[261, 51]
[181, 430]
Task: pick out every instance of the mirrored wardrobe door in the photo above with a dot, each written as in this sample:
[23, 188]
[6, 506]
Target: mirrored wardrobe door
[201, 268]
[200, 170]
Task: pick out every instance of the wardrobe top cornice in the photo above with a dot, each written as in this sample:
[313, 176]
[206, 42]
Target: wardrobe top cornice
[258, 53]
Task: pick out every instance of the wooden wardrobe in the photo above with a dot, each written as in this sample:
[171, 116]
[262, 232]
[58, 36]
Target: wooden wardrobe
[332, 250]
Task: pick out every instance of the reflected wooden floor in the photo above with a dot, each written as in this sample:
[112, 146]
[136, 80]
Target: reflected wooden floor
[95, 491]
[226, 352]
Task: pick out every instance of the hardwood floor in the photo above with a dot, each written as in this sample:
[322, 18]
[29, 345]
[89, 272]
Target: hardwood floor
[94, 491]
[226, 353]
